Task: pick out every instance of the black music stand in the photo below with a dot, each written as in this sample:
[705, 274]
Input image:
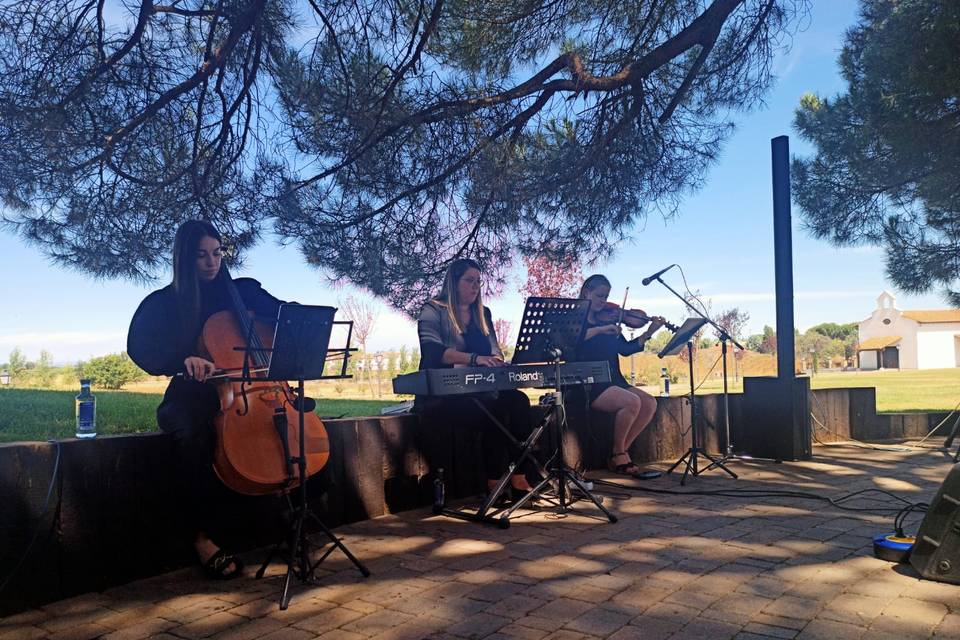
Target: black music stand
[685, 336]
[550, 332]
[301, 346]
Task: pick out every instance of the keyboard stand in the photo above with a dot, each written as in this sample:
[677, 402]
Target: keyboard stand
[550, 330]
[486, 513]
[553, 480]
[559, 474]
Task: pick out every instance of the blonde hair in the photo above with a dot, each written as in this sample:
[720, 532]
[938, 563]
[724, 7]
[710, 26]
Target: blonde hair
[449, 297]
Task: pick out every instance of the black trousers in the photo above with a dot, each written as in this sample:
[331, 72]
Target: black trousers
[187, 414]
[511, 408]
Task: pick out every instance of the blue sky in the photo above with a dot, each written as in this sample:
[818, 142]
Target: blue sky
[722, 237]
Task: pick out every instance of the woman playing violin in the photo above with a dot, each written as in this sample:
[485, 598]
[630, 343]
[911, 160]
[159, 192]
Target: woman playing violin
[163, 340]
[633, 408]
[456, 329]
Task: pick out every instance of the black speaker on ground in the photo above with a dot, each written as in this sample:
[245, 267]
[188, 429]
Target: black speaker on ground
[776, 419]
[936, 553]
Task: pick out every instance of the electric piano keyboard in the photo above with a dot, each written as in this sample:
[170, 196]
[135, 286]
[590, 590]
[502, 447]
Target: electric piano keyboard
[460, 380]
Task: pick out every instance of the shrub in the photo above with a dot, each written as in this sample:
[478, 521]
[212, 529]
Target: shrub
[111, 371]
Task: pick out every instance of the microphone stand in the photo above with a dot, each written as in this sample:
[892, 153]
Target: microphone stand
[724, 337]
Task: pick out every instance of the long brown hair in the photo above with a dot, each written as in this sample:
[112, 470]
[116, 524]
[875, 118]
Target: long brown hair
[451, 300]
[186, 284]
[591, 283]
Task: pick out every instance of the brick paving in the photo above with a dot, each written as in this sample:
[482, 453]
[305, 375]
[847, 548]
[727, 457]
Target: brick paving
[674, 566]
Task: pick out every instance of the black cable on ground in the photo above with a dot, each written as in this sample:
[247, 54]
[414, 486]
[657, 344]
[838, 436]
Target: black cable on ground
[40, 519]
[766, 493]
[901, 517]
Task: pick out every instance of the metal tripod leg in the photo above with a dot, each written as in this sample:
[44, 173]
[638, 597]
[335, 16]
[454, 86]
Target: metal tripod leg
[560, 474]
[954, 432]
[298, 553]
[482, 515]
[336, 543]
[691, 457]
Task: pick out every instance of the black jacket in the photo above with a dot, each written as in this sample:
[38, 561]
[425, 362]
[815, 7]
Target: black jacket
[157, 341]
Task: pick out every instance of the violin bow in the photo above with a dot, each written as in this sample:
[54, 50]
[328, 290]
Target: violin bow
[623, 307]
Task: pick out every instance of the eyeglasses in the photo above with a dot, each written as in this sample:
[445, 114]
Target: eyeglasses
[472, 281]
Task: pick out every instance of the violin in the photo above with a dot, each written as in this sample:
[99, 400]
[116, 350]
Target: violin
[612, 313]
[258, 425]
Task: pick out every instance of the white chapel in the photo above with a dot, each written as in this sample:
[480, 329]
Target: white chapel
[895, 339]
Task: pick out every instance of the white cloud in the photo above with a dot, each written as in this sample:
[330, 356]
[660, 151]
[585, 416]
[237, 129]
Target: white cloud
[42, 339]
[66, 346]
[735, 297]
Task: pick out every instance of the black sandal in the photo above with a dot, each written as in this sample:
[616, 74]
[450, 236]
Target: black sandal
[217, 567]
[625, 468]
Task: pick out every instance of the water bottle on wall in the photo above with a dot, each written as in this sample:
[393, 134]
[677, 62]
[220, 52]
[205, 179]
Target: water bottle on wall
[439, 492]
[86, 411]
[664, 382]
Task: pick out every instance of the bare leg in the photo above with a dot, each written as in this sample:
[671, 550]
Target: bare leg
[626, 408]
[644, 416]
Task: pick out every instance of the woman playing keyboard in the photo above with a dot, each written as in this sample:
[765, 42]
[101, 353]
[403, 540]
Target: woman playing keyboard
[456, 329]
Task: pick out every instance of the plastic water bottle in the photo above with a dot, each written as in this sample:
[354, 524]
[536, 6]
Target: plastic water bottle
[664, 382]
[439, 492]
[86, 412]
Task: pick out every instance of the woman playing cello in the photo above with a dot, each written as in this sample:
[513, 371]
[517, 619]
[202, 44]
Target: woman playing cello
[163, 340]
[632, 408]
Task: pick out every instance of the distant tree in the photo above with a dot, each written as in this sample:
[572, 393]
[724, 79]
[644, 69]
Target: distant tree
[768, 343]
[403, 359]
[887, 161]
[112, 371]
[754, 342]
[415, 359]
[384, 138]
[43, 373]
[552, 277]
[391, 362]
[813, 347]
[695, 298]
[733, 320]
[503, 328]
[657, 342]
[363, 313]
[836, 331]
[17, 364]
[355, 366]
[850, 344]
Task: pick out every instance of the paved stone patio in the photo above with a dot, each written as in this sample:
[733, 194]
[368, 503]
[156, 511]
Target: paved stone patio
[688, 566]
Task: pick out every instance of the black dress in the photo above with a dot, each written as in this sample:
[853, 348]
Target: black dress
[607, 347]
[159, 343]
[510, 407]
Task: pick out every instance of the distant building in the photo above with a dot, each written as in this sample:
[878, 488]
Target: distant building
[895, 339]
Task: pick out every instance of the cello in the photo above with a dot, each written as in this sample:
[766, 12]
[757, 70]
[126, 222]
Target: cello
[258, 425]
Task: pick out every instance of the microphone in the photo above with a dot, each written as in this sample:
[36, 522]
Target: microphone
[647, 281]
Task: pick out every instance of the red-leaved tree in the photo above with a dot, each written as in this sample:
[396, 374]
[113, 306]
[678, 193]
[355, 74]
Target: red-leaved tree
[552, 277]
[503, 328]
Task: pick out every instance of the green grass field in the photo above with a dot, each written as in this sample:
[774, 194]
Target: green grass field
[897, 391]
[37, 414]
